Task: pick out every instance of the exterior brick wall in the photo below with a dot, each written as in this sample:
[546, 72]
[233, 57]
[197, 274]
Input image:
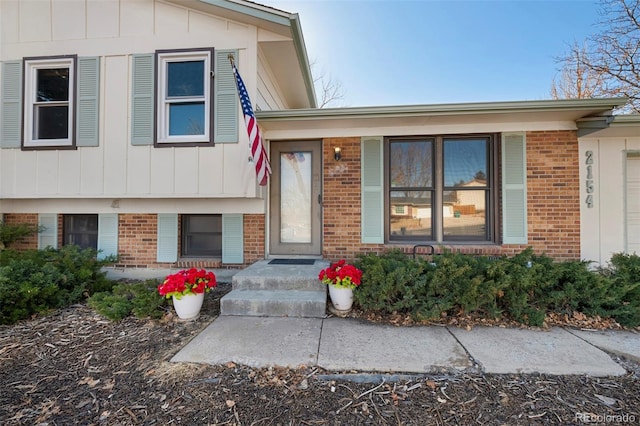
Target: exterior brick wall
[137, 239]
[552, 195]
[341, 201]
[254, 237]
[27, 243]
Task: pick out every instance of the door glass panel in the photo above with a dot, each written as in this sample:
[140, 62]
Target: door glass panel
[295, 197]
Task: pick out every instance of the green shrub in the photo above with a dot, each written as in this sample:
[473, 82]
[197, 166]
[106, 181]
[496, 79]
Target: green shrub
[36, 281]
[139, 299]
[10, 233]
[112, 306]
[524, 287]
[623, 301]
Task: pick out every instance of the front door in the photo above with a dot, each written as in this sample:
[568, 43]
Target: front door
[295, 198]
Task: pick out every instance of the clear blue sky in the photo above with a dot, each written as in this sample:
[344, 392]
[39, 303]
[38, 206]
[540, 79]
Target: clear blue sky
[387, 52]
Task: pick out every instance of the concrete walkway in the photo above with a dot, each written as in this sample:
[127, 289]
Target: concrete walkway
[344, 344]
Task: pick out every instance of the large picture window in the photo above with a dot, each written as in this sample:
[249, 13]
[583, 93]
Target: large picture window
[49, 101]
[440, 189]
[184, 96]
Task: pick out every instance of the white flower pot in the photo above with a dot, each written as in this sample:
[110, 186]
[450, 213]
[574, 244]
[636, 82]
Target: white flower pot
[188, 307]
[342, 298]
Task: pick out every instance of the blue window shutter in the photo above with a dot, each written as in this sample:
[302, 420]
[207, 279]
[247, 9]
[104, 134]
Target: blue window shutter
[514, 189]
[232, 238]
[167, 238]
[372, 209]
[142, 97]
[48, 236]
[225, 107]
[11, 119]
[88, 98]
[107, 235]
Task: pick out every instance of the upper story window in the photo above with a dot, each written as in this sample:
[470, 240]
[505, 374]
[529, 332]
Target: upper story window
[440, 189]
[49, 90]
[183, 97]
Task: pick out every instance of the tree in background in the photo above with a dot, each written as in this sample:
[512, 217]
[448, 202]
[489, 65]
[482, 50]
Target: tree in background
[609, 64]
[576, 80]
[331, 91]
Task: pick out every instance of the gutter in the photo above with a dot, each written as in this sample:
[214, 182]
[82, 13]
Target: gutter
[605, 105]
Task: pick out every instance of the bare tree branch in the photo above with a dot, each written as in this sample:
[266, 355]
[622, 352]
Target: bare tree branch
[332, 92]
[610, 68]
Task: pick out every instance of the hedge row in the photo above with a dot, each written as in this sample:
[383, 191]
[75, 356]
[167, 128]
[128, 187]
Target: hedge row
[524, 287]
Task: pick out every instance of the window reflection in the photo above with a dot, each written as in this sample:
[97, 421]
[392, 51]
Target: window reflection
[465, 162]
[411, 164]
[411, 214]
[464, 215]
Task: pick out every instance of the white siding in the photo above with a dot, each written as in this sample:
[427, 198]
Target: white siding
[632, 188]
[115, 30]
[269, 95]
[604, 227]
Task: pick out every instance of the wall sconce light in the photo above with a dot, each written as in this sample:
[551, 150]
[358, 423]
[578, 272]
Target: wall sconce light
[337, 153]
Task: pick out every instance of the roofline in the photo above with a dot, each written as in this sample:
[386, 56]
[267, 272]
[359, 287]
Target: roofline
[626, 120]
[279, 17]
[254, 10]
[301, 51]
[605, 104]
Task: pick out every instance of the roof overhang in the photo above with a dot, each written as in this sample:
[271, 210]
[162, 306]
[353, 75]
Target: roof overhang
[286, 54]
[615, 126]
[345, 121]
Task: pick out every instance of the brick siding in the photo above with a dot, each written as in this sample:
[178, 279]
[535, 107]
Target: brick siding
[552, 195]
[27, 243]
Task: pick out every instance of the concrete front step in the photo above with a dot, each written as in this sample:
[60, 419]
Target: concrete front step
[263, 276]
[275, 303]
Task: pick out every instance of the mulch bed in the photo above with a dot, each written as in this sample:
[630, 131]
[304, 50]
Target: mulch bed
[75, 367]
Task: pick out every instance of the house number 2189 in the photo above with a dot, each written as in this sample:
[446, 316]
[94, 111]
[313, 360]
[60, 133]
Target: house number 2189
[589, 182]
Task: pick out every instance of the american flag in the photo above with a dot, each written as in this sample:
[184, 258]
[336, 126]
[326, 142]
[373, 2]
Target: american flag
[258, 153]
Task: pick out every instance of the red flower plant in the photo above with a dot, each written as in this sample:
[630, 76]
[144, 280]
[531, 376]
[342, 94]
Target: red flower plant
[341, 275]
[187, 281]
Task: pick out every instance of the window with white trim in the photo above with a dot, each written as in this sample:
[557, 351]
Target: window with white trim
[49, 89]
[183, 96]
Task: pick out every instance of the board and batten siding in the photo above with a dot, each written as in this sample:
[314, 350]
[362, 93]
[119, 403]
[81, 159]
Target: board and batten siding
[110, 161]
